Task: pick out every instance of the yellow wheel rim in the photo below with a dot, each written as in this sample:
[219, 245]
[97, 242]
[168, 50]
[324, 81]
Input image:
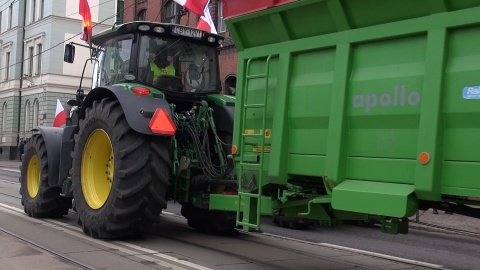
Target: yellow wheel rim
[33, 176]
[97, 169]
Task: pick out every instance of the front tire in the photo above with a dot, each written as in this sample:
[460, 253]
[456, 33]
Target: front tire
[120, 177]
[38, 198]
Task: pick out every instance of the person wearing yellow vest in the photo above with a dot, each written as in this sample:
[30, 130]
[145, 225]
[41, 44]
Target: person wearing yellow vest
[161, 66]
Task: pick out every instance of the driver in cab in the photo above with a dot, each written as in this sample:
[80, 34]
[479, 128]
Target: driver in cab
[161, 66]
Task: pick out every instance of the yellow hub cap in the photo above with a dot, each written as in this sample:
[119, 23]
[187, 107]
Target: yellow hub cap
[97, 169]
[33, 176]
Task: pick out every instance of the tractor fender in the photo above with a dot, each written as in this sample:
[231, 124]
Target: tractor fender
[138, 109]
[66, 153]
[53, 142]
[223, 111]
[223, 117]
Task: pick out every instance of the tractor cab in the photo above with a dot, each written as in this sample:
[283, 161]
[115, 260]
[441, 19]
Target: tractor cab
[179, 61]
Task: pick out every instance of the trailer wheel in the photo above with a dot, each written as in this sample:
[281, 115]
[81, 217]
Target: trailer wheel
[120, 177]
[39, 200]
[292, 223]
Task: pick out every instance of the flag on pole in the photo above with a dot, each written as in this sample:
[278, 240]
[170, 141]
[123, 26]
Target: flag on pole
[84, 10]
[60, 115]
[201, 8]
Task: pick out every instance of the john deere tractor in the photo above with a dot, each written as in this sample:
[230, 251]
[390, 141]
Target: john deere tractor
[154, 127]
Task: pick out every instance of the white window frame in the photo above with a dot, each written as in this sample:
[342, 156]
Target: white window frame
[172, 11]
[36, 108]
[27, 116]
[30, 56]
[6, 49]
[4, 121]
[33, 10]
[10, 15]
[38, 57]
[221, 26]
[4, 117]
[33, 42]
[8, 57]
[41, 10]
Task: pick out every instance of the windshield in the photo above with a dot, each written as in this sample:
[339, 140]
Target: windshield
[177, 65]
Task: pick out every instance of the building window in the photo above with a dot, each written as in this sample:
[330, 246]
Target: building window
[42, 6]
[33, 55]
[231, 85]
[39, 59]
[172, 12]
[30, 61]
[222, 27]
[142, 15]
[120, 8]
[7, 66]
[34, 6]
[10, 14]
[4, 118]
[27, 116]
[36, 107]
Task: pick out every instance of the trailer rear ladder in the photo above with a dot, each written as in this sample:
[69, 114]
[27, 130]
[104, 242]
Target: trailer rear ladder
[251, 199]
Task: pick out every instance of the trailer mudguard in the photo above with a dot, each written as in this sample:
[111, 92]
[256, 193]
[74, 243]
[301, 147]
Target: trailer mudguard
[138, 109]
[53, 142]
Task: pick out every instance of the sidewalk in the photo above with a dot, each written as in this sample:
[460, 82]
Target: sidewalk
[441, 219]
[16, 255]
[12, 164]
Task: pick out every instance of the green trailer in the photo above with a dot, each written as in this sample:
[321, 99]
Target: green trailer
[349, 109]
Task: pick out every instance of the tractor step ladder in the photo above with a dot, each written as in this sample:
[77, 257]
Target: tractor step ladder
[250, 190]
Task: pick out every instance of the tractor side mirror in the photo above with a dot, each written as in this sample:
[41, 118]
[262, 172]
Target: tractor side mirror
[69, 54]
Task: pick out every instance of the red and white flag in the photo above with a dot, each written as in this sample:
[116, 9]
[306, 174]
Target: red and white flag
[206, 23]
[60, 115]
[195, 6]
[201, 8]
[84, 10]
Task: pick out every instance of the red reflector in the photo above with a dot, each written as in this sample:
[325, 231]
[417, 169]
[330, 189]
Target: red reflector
[230, 193]
[161, 123]
[141, 91]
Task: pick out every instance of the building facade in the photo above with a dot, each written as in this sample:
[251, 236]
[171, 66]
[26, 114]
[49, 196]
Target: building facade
[171, 12]
[33, 76]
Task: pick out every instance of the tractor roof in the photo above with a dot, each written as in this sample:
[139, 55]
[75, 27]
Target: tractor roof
[133, 27]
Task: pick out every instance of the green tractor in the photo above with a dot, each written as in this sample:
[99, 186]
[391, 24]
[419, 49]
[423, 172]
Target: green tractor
[154, 127]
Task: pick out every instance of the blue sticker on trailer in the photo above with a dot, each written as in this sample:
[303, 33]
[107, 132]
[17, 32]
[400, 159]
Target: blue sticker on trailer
[471, 92]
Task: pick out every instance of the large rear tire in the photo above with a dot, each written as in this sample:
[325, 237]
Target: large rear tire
[120, 177]
[38, 198]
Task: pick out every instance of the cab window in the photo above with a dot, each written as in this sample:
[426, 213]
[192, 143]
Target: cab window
[113, 62]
